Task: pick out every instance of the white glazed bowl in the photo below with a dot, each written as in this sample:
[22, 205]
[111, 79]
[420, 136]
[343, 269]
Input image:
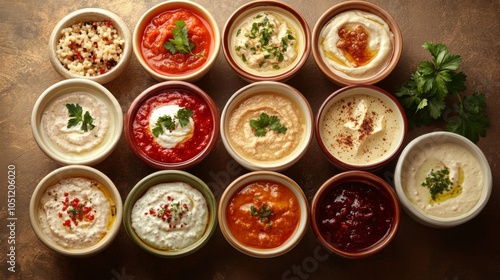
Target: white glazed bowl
[69, 172]
[412, 151]
[262, 87]
[85, 15]
[97, 91]
[247, 179]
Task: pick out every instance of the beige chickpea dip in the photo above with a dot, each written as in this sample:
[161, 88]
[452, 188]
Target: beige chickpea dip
[464, 173]
[76, 213]
[356, 44]
[171, 138]
[75, 139]
[273, 146]
[360, 129]
[265, 41]
[170, 216]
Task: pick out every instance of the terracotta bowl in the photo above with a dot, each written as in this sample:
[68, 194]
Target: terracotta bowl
[347, 218]
[338, 75]
[91, 15]
[242, 65]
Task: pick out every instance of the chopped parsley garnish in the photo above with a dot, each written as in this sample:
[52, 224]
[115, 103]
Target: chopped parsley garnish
[180, 43]
[438, 181]
[265, 123]
[168, 122]
[75, 112]
[264, 213]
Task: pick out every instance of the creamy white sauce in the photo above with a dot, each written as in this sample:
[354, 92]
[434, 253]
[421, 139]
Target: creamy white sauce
[464, 170]
[74, 139]
[56, 214]
[170, 216]
[170, 139]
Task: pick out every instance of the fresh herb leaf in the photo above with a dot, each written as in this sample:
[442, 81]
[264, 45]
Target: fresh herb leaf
[75, 112]
[168, 122]
[265, 123]
[264, 213]
[438, 181]
[180, 43]
[471, 120]
[183, 116]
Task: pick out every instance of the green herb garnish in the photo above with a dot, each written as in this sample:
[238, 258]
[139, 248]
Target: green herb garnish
[438, 182]
[168, 122]
[265, 123]
[424, 96]
[264, 213]
[75, 112]
[180, 43]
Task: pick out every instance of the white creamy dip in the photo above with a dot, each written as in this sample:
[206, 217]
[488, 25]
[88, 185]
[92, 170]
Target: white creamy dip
[76, 213]
[377, 51]
[265, 41]
[464, 173]
[170, 216]
[74, 139]
[360, 129]
[170, 139]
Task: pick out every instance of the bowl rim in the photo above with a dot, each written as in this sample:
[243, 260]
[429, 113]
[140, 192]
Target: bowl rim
[71, 18]
[153, 91]
[442, 137]
[351, 166]
[289, 9]
[62, 88]
[67, 172]
[372, 180]
[283, 89]
[163, 7]
[272, 176]
[165, 176]
[367, 7]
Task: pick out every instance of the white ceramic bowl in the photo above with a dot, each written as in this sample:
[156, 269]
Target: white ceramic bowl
[278, 89]
[414, 151]
[98, 92]
[72, 171]
[86, 15]
[264, 176]
[294, 19]
[189, 76]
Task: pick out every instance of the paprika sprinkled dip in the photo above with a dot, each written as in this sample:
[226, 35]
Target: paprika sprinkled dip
[355, 214]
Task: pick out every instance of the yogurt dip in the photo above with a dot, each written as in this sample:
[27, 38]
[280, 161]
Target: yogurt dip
[356, 44]
[464, 173]
[273, 145]
[170, 216]
[360, 129]
[76, 212]
[89, 128]
[179, 134]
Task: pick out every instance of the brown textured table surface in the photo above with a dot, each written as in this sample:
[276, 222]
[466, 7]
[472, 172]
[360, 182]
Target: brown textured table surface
[470, 251]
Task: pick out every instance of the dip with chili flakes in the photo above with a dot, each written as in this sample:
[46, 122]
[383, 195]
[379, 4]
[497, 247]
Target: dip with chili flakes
[76, 212]
[356, 44]
[263, 214]
[170, 216]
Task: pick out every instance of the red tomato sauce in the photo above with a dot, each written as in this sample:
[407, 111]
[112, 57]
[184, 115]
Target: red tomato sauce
[158, 31]
[203, 127]
[354, 216]
[263, 214]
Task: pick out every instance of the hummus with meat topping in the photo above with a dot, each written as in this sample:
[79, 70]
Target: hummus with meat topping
[356, 44]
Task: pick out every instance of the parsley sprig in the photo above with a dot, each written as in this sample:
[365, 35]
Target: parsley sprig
[425, 95]
[180, 43]
[168, 122]
[265, 123]
[264, 213]
[438, 181]
[76, 115]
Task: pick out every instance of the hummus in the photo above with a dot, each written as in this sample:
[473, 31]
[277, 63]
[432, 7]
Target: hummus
[356, 44]
[360, 129]
[273, 145]
[74, 139]
[265, 41]
[465, 176]
[76, 212]
[170, 216]
[170, 138]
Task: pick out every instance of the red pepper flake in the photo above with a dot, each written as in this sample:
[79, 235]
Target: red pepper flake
[102, 71]
[108, 23]
[67, 223]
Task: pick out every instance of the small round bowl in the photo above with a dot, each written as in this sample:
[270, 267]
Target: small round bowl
[210, 113]
[189, 75]
[431, 151]
[242, 65]
[274, 178]
[73, 171]
[91, 15]
[274, 99]
[363, 201]
[166, 176]
[379, 67]
[61, 90]
[361, 128]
